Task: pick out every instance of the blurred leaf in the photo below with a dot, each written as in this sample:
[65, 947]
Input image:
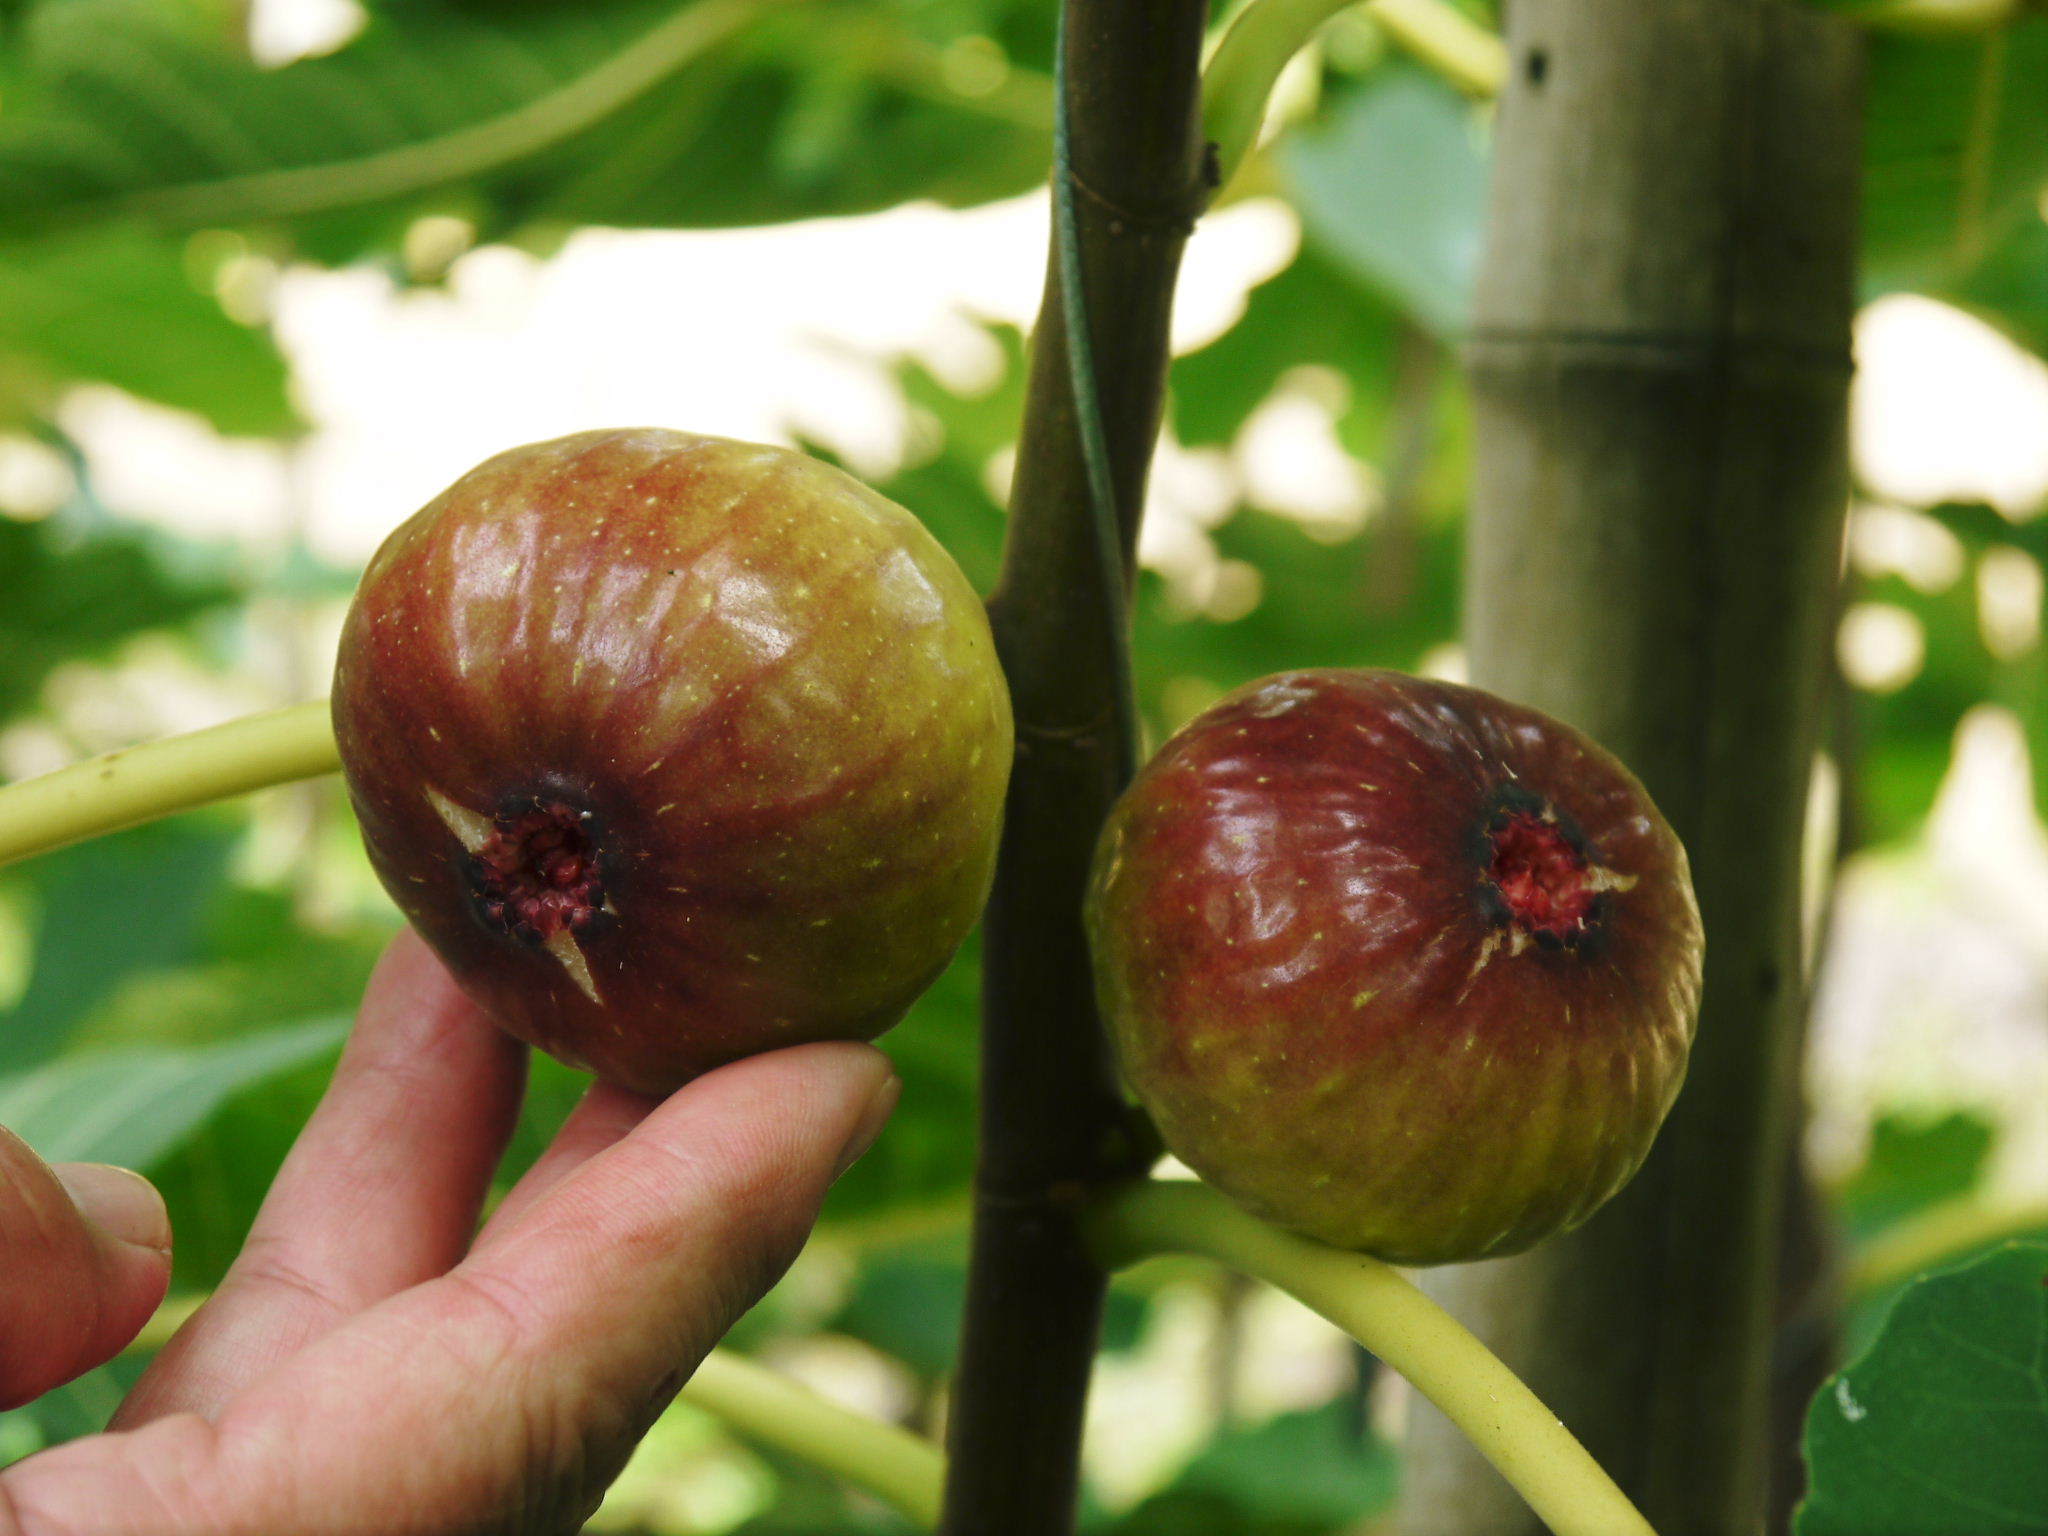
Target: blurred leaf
[1301, 1474]
[1914, 1164]
[132, 1107]
[253, 963]
[215, 1179]
[80, 1407]
[1939, 1429]
[811, 1503]
[1955, 149]
[107, 910]
[926, 1155]
[2009, 287]
[909, 1306]
[1391, 181]
[1314, 312]
[641, 112]
[1382, 597]
[117, 306]
[67, 594]
[909, 1303]
[1907, 735]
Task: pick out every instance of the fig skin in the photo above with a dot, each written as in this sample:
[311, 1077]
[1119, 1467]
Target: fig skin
[1397, 964]
[674, 748]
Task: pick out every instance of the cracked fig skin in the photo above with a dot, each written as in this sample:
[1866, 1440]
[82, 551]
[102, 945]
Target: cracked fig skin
[675, 749]
[1395, 963]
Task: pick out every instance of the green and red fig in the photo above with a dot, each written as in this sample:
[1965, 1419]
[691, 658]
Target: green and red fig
[1395, 963]
[674, 748]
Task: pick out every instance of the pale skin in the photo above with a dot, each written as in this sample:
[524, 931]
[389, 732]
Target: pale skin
[376, 1364]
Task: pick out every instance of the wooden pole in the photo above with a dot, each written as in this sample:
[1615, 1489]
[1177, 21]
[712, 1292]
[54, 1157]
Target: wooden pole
[1660, 362]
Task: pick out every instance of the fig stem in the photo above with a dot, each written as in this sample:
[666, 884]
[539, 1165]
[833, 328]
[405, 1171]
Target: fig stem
[765, 1406]
[128, 787]
[1267, 34]
[1390, 1316]
[904, 1469]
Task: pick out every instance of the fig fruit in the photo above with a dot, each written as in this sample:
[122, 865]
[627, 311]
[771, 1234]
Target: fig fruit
[1397, 964]
[674, 748]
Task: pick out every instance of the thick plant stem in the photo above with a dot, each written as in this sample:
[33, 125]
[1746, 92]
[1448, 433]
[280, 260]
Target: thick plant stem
[1053, 1122]
[763, 1405]
[159, 778]
[1398, 1323]
[1660, 368]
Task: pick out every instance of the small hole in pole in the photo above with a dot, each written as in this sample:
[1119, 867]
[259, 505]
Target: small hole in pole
[1536, 66]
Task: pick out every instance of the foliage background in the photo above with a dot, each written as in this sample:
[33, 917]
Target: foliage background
[270, 276]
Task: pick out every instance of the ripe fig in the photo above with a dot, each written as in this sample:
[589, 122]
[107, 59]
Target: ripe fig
[674, 748]
[1395, 963]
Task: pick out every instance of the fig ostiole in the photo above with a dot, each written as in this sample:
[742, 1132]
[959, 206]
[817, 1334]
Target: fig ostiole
[674, 748]
[1397, 964]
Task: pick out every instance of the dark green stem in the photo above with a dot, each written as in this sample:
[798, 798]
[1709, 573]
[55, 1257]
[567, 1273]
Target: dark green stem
[1053, 1123]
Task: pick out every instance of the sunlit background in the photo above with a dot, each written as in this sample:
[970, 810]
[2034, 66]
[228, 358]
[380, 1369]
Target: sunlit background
[889, 340]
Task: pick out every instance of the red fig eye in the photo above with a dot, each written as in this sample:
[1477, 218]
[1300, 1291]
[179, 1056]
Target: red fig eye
[536, 875]
[1540, 873]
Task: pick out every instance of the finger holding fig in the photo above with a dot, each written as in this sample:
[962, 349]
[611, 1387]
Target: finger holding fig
[1397, 964]
[675, 748]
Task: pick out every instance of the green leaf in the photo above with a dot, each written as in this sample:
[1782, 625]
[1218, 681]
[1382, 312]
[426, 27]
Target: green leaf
[640, 112]
[80, 1407]
[927, 1155]
[908, 1302]
[1941, 1428]
[1392, 183]
[1955, 149]
[1914, 1164]
[215, 1179]
[132, 1107]
[1301, 1474]
[109, 910]
[118, 306]
[2009, 287]
[1316, 312]
[67, 594]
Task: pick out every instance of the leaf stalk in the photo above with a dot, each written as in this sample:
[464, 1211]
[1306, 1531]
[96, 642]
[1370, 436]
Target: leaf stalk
[1387, 1314]
[133, 785]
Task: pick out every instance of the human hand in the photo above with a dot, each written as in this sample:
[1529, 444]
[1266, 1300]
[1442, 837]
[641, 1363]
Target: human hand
[374, 1366]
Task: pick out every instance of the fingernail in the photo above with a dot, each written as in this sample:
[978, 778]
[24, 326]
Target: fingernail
[121, 1204]
[872, 1119]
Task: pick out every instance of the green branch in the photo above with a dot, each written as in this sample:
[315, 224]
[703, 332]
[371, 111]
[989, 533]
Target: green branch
[1393, 1319]
[158, 778]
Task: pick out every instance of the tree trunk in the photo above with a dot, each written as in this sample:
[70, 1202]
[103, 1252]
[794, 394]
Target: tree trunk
[1660, 364]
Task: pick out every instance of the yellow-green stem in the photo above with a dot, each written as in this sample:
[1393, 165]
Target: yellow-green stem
[158, 778]
[761, 1405]
[1246, 64]
[1938, 1236]
[904, 1469]
[1393, 1319]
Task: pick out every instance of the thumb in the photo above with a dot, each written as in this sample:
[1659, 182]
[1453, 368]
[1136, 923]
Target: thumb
[88, 1258]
